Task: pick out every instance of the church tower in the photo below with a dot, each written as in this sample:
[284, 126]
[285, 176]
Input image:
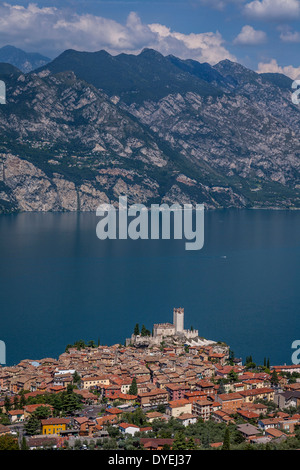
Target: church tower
[178, 320]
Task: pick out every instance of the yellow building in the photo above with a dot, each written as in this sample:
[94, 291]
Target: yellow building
[264, 393]
[177, 407]
[88, 382]
[54, 425]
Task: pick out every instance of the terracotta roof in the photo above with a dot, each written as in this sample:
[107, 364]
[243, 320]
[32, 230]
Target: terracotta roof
[178, 403]
[127, 425]
[54, 421]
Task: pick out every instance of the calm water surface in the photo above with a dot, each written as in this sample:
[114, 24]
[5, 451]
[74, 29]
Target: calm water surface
[60, 283]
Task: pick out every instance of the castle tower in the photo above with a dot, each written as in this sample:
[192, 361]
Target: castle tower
[178, 319]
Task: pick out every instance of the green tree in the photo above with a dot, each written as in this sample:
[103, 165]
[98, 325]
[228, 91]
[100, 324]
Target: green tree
[32, 426]
[16, 402]
[232, 376]
[180, 441]
[80, 344]
[22, 399]
[133, 390]
[110, 444]
[231, 357]
[274, 378]
[42, 412]
[8, 442]
[76, 378]
[191, 444]
[206, 441]
[144, 331]
[24, 445]
[226, 442]
[161, 408]
[136, 330]
[91, 344]
[221, 388]
[7, 404]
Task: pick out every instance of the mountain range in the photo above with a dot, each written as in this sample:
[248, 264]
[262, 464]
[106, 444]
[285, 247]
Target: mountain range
[24, 61]
[88, 127]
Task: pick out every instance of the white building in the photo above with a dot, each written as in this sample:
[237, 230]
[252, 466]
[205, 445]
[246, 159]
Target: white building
[126, 428]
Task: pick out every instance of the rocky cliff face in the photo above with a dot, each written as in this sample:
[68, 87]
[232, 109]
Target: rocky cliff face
[231, 140]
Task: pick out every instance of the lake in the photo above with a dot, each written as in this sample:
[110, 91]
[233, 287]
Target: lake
[60, 283]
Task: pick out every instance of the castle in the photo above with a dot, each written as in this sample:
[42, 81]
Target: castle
[163, 330]
[177, 328]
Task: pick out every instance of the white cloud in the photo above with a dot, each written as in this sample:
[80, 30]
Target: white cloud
[273, 9]
[250, 36]
[290, 36]
[51, 30]
[273, 67]
[204, 47]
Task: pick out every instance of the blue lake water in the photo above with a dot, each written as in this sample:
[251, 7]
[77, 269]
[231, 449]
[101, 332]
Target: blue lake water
[60, 283]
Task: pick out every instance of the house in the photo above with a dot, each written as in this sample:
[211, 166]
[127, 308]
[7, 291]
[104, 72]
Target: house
[220, 416]
[54, 425]
[113, 411]
[230, 401]
[247, 415]
[96, 381]
[234, 387]
[288, 399]
[107, 420]
[86, 428]
[258, 408]
[223, 371]
[176, 392]
[16, 416]
[268, 423]
[195, 395]
[177, 407]
[288, 424]
[187, 418]
[154, 415]
[264, 393]
[86, 396]
[35, 443]
[156, 443]
[202, 409]
[275, 433]
[4, 430]
[206, 387]
[217, 358]
[126, 428]
[248, 431]
[153, 398]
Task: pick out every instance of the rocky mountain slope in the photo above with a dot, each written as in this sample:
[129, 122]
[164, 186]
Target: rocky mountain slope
[89, 127]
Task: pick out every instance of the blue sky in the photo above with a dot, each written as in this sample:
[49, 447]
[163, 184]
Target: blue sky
[263, 35]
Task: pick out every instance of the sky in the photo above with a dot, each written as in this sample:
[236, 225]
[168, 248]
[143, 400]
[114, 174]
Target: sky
[263, 35]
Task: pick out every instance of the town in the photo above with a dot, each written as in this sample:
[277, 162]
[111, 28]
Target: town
[165, 390]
